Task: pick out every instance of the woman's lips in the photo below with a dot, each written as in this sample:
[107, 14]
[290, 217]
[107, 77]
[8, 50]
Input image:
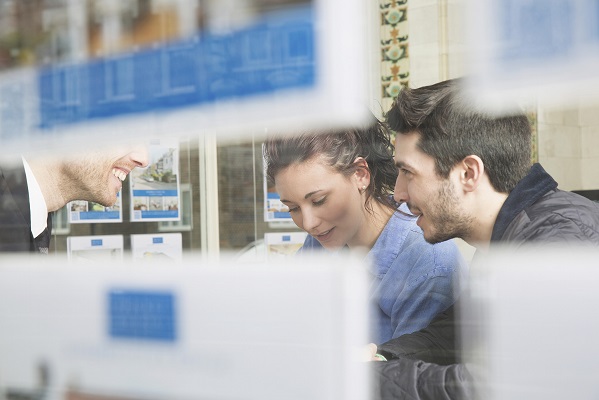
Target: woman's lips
[323, 237]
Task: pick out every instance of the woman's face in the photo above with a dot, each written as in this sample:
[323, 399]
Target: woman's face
[323, 202]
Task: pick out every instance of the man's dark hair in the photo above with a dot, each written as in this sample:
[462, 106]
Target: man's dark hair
[452, 126]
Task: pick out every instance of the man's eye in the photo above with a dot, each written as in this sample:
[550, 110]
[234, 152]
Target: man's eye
[293, 209]
[404, 171]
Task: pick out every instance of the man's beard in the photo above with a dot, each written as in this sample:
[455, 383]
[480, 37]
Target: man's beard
[446, 218]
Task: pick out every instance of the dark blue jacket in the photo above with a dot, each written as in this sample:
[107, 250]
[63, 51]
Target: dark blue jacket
[426, 364]
[15, 216]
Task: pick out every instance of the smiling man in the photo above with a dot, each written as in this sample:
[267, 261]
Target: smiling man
[34, 186]
[466, 172]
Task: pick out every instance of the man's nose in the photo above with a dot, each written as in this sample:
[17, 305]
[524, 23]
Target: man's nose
[400, 193]
[140, 155]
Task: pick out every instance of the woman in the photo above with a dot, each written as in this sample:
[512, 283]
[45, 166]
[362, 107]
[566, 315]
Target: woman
[338, 187]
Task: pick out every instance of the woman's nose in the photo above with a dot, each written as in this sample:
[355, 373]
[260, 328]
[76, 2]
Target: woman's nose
[310, 220]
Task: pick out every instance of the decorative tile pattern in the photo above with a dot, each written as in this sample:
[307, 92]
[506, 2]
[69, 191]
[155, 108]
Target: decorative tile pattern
[395, 65]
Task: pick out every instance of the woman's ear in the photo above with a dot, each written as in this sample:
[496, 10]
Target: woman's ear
[362, 173]
[472, 170]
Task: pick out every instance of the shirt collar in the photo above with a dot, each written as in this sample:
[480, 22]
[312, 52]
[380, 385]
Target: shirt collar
[37, 203]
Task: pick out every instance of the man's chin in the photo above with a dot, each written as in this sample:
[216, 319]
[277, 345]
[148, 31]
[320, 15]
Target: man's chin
[430, 236]
[435, 238]
[432, 240]
[109, 202]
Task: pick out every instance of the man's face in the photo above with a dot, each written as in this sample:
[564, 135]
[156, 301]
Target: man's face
[98, 176]
[435, 200]
[323, 202]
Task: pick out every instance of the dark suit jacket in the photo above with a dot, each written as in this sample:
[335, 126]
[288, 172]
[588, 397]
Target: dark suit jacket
[15, 217]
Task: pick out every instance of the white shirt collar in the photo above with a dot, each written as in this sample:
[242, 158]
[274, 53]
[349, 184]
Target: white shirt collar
[37, 203]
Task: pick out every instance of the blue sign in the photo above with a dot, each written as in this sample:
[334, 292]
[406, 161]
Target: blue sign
[143, 315]
[275, 54]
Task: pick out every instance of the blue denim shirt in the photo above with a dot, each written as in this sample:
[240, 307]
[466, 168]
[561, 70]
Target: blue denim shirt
[412, 280]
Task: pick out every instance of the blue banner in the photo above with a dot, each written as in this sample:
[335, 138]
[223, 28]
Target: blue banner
[275, 54]
[150, 214]
[99, 215]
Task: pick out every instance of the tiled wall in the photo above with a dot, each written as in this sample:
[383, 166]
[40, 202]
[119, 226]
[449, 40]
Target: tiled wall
[424, 42]
[569, 145]
[437, 40]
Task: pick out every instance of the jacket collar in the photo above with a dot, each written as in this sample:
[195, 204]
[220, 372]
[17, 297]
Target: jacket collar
[531, 188]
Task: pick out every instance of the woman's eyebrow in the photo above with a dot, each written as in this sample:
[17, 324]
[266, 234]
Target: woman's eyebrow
[311, 194]
[307, 196]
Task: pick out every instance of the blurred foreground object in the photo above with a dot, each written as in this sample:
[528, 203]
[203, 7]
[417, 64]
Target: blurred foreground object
[530, 327]
[235, 67]
[534, 49]
[185, 331]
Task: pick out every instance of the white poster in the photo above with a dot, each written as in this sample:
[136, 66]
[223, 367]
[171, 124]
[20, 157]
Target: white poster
[155, 194]
[282, 244]
[81, 211]
[166, 246]
[95, 248]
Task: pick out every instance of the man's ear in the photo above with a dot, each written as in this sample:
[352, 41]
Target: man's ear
[362, 172]
[472, 170]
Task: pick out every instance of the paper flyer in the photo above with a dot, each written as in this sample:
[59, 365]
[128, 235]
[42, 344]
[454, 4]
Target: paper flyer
[81, 211]
[95, 248]
[166, 246]
[282, 244]
[155, 194]
[274, 210]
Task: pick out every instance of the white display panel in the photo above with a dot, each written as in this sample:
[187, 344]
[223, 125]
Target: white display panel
[531, 327]
[183, 331]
